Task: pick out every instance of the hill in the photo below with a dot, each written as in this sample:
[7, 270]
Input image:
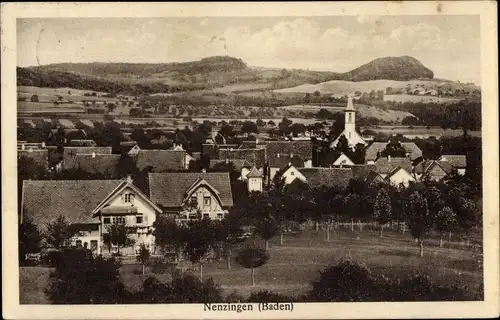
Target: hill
[208, 73]
[390, 68]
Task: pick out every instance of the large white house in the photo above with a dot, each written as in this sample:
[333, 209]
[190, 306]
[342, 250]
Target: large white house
[91, 206]
[350, 133]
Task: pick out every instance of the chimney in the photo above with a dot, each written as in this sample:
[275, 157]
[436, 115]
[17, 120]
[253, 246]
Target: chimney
[291, 155]
[93, 155]
[278, 155]
[129, 178]
[43, 144]
[23, 147]
[289, 164]
[256, 141]
[389, 158]
[204, 170]
[227, 160]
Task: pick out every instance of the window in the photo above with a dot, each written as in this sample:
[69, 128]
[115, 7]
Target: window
[78, 243]
[220, 216]
[206, 216]
[129, 197]
[139, 219]
[292, 173]
[119, 220]
[350, 117]
[193, 216]
[207, 201]
[93, 245]
[106, 220]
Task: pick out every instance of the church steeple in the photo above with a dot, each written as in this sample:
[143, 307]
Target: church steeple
[350, 119]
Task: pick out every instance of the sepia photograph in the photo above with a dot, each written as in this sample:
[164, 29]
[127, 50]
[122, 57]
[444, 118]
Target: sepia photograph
[251, 163]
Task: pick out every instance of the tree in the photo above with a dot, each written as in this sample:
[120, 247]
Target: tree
[118, 235]
[307, 98]
[267, 228]
[382, 209]
[260, 123]
[34, 98]
[252, 258]
[200, 238]
[29, 238]
[249, 127]
[317, 93]
[125, 166]
[446, 221]
[229, 232]
[419, 218]
[170, 235]
[80, 279]
[143, 257]
[58, 233]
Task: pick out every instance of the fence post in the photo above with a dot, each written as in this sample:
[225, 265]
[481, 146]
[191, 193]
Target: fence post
[352, 225]
[360, 226]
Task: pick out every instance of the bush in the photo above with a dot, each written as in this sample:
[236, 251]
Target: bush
[268, 296]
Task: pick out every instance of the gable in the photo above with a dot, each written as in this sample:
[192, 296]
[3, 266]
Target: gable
[343, 160]
[292, 174]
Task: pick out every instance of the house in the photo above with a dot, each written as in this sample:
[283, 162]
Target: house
[69, 154]
[129, 147]
[23, 145]
[317, 177]
[254, 157]
[102, 164]
[384, 166]
[91, 206]
[367, 174]
[399, 176]
[341, 160]
[241, 166]
[184, 193]
[458, 162]
[432, 169]
[280, 153]
[373, 151]
[350, 133]
[188, 157]
[82, 143]
[254, 180]
[162, 160]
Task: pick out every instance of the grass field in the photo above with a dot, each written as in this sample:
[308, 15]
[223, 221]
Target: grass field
[46, 107]
[294, 265]
[416, 98]
[433, 131]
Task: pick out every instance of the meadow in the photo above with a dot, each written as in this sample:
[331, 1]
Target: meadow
[303, 255]
[417, 98]
[420, 130]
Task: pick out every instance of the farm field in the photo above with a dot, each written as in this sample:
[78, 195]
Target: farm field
[50, 94]
[432, 131]
[294, 265]
[417, 98]
[48, 107]
[346, 87]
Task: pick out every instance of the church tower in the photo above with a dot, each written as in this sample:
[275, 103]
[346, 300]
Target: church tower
[350, 120]
[254, 180]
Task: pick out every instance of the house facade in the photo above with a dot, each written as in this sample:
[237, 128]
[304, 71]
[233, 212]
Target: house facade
[189, 195]
[400, 176]
[91, 207]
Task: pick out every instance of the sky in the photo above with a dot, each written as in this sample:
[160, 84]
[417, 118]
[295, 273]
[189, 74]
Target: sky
[448, 45]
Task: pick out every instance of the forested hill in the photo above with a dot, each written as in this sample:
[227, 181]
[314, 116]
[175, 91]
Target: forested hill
[207, 73]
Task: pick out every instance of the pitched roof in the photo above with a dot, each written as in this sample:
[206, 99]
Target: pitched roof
[254, 173]
[284, 160]
[102, 163]
[329, 177]
[302, 149]
[376, 147]
[255, 157]
[457, 161]
[395, 170]
[45, 200]
[350, 105]
[82, 143]
[362, 170]
[69, 153]
[161, 160]
[169, 189]
[385, 166]
[39, 156]
[237, 163]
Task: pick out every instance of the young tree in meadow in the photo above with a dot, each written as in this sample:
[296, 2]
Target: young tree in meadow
[419, 219]
[382, 209]
[267, 228]
[58, 233]
[119, 236]
[446, 222]
[200, 239]
[229, 232]
[252, 258]
[143, 257]
[170, 235]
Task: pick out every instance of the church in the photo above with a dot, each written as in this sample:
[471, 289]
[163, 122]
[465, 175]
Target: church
[352, 136]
